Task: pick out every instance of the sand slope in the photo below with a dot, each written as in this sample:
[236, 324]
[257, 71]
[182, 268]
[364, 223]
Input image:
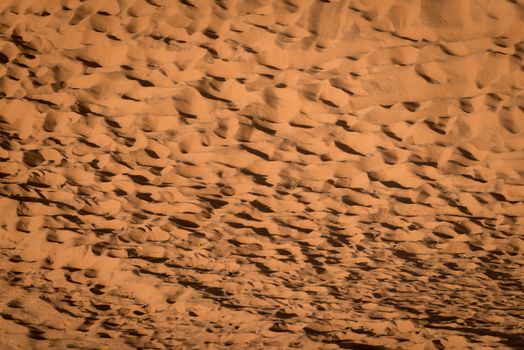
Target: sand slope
[304, 174]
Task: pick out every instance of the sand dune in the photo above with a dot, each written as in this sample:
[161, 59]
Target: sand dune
[307, 174]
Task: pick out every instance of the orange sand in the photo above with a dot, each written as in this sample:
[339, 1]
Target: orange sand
[255, 174]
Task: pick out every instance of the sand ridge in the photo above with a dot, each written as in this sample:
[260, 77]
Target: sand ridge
[308, 174]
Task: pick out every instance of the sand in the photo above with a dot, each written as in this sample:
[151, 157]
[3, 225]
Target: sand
[291, 174]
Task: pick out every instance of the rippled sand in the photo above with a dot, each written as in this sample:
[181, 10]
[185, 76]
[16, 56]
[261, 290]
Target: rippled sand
[253, 174]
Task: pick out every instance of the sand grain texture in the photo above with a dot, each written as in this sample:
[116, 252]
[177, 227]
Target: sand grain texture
[198, 174]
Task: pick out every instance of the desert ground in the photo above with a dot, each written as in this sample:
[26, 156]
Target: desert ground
[256, 174]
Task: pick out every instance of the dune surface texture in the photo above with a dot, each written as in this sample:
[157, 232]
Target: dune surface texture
[255, 174]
